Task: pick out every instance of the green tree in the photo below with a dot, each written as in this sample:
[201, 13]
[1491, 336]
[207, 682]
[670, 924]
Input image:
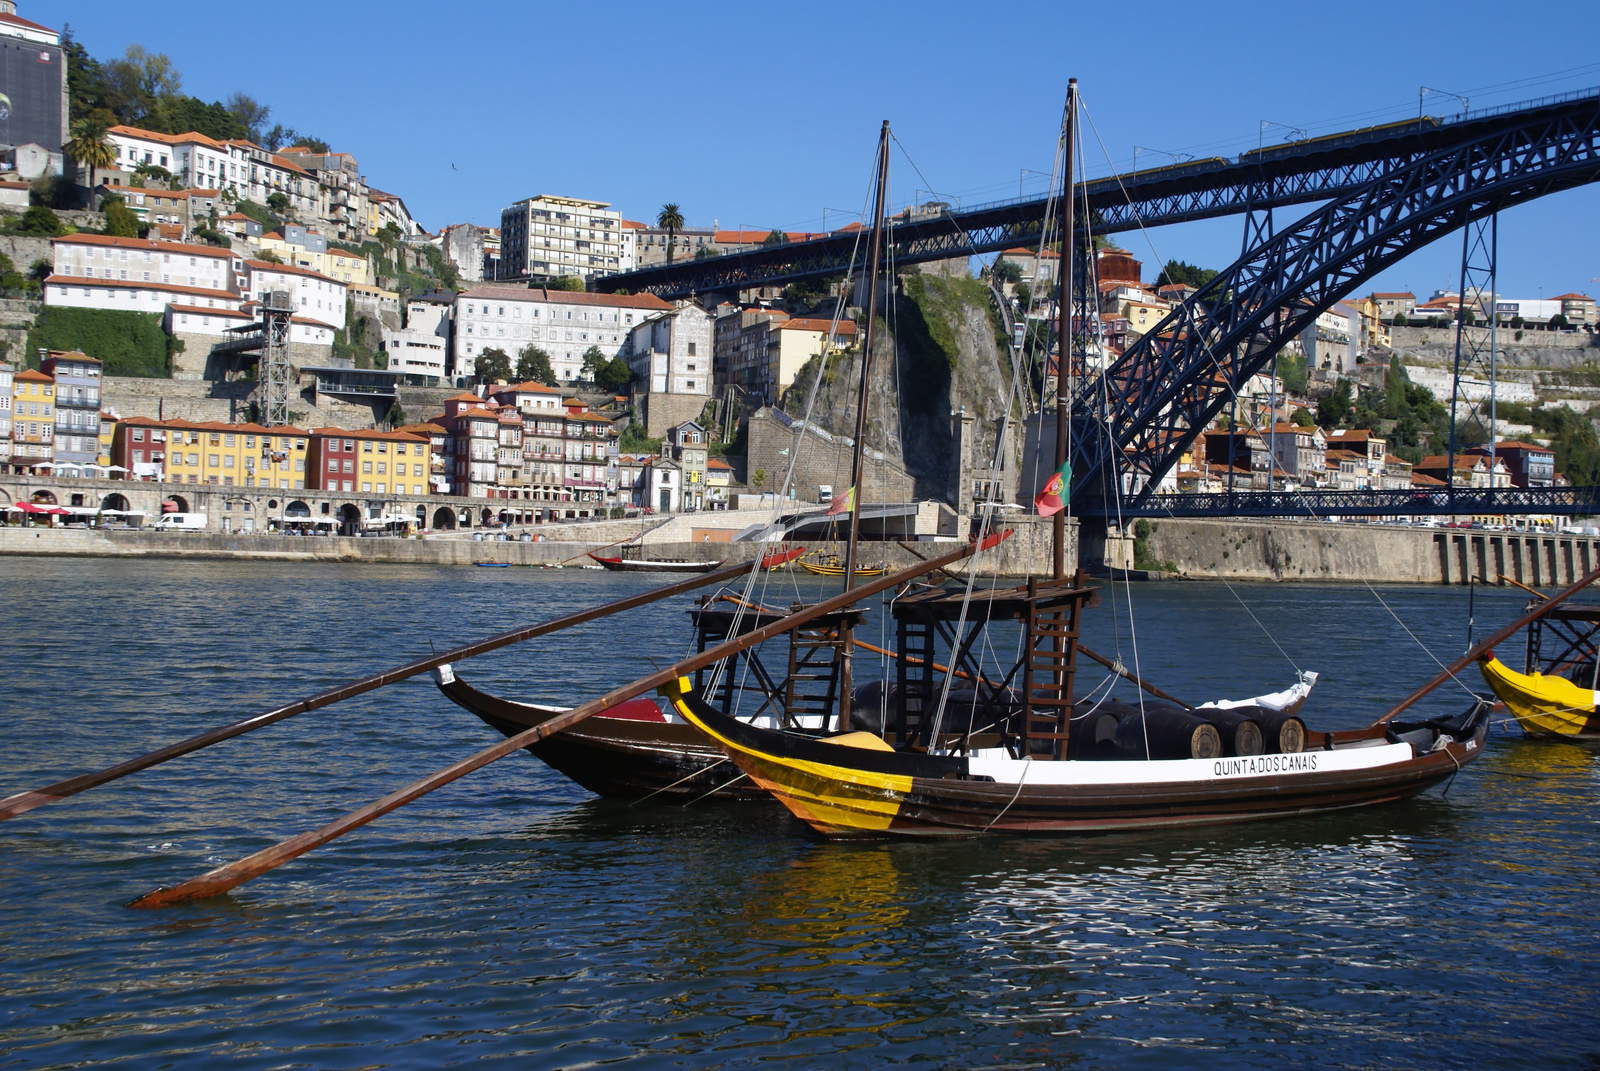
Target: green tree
[38, 222]
[568, 282]
[1301, 418]
[251, 112]
[396, 417]
[493, 366]
[90, 147]
[775, 237]
[1007, 271]
[594, 359]
[1334, 409]
[615, 377]
[1400, 319]
[120, 220]
[277, 202]
[758, 478]
[671, 220]
[1557, 322]
[533, 365]
[1182, 272]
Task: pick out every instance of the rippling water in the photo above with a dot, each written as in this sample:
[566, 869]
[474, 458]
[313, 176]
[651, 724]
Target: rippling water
[511, 920]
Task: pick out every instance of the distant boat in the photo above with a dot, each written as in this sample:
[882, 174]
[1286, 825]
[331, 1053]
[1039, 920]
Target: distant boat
[832, 565]
[780, 558]
[1544, 704]
[492, 565]
[656, 565]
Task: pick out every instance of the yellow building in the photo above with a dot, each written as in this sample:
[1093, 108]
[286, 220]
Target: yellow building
[108, 435]
[225, 455]
[338, 264]
[797, 341]
[33, 418]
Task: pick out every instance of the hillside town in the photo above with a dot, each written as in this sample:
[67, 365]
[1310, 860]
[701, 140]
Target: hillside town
[477, 362]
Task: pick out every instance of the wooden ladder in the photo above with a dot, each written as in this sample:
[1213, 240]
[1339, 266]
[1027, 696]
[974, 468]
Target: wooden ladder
[1052, 662]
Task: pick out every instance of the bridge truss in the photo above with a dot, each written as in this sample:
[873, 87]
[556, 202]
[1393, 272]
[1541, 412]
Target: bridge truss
[1278, 176]
[1151, 403]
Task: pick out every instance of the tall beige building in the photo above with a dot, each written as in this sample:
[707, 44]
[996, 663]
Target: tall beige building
[548, 236]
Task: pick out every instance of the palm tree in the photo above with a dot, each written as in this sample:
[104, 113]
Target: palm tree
[671, 220]
[89, 146]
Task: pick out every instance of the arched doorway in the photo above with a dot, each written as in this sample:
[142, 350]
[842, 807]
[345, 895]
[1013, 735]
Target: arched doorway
[297, 509]
[114, 501]
[43, 498]
[444, 519]
[175, 504]
[487, 518]
[349, 520]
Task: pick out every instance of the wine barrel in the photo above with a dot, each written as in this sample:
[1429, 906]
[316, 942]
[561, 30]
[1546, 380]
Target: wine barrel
[1282, 732]
[1094, 735]
[1172, 732]
[1241, 732]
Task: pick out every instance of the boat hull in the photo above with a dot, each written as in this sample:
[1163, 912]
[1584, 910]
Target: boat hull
[618, 757]
[845, 791]
[650, 565]
[1545, 706]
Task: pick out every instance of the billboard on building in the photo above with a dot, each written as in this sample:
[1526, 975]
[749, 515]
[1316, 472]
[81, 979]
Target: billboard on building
[30, 94]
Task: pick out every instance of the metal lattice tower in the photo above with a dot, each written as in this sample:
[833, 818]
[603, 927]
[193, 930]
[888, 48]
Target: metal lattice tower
[1475, 348]
[276, 309]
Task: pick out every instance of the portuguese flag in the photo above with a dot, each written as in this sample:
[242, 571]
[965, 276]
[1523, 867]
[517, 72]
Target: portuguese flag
[843, 503]
[1053, 498]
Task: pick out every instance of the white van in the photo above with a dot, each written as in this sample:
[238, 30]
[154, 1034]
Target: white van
[181, 522]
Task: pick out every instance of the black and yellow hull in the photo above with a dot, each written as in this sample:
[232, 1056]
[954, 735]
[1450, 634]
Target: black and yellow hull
[856, 786]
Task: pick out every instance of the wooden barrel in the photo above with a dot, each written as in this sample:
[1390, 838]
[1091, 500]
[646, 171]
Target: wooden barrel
[1281, 732]
[1172, 732]
[1241, 732]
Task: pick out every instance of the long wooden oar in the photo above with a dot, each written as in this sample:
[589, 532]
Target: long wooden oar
[237, 873]
[1501, 636]
[23, 802]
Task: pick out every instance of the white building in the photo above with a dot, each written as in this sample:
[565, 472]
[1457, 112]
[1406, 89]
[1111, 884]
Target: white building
[547, 236]
[316, 296]
[145, 261]
[562, 323]
[422, 346]
[670, 351]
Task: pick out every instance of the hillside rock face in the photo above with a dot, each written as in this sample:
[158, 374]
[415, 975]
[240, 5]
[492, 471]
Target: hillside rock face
[939, 388]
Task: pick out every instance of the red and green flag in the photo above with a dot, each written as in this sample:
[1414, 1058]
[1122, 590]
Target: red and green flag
[844, 503]
[1053, 498]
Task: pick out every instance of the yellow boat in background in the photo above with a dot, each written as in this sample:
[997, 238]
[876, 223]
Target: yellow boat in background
[833, 565]
[1544, 705]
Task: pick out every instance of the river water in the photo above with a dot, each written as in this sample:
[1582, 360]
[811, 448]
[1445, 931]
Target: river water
[511, 920]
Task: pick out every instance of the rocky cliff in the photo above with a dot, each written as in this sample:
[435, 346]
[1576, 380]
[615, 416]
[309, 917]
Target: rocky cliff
[937, 355]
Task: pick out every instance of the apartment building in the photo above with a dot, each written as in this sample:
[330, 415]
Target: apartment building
[650, 244]
[6, 387]
[77, 395]
[369, 461]
[33, 420]
[302, 247]
[548, 236]
[562, 323]
[317, 296]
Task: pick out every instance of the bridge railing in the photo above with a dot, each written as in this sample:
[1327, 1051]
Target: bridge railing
[1406, 502]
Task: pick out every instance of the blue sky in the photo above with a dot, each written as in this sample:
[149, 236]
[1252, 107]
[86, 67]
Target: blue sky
[763, 115]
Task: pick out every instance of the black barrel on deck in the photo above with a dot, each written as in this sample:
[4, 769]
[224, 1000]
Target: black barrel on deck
[1172, 733]
[1280, 732]
[1241, 733]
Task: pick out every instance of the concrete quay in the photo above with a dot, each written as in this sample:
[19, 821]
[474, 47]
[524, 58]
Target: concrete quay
[1342, 551]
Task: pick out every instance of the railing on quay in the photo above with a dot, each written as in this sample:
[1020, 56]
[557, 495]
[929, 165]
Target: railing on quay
[1409, 502]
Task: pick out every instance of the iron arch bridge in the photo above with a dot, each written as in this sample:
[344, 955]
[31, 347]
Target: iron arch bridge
[1277, 176]
[1152, 402]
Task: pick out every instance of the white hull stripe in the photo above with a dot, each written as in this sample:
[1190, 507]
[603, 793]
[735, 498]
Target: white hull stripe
[1009, 771]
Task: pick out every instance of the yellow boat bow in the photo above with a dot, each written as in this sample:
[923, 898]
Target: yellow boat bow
[1544, 705]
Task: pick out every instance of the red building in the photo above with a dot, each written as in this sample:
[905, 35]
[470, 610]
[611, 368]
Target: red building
[368, 461]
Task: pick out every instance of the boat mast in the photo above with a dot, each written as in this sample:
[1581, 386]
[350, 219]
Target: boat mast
[875, 257]
[1064, 293]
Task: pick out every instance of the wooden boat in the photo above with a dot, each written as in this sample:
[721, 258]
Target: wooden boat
[629, 752]
[857, 784]
[656, 565]
[492, 565]
[1545, 705]
[780, 558]
[831, 565]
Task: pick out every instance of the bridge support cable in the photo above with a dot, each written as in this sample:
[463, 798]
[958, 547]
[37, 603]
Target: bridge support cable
[1475, 347]
[1171, 383]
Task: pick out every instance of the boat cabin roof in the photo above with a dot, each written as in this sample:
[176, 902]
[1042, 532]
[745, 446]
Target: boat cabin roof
[1013, 603]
